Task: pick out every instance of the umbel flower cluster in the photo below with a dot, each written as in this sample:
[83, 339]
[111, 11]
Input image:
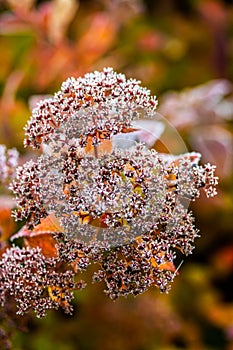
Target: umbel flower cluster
[88, 202]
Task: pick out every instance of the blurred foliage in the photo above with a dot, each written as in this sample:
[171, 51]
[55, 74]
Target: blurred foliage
[168, 45]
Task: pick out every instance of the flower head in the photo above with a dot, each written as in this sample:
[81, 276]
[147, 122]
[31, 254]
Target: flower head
[97, 106]
[124, 209]
[34, 282]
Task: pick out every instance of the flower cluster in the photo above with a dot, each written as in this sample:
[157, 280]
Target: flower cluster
[124, 210]
[28, 191]
[8, 163]
[33, 281]
[112, 199]
[101, 104]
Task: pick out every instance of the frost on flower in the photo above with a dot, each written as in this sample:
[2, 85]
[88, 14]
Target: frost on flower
[96, 107]
[34, 282]
[124, 209]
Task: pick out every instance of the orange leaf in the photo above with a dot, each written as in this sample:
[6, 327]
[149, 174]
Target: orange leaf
[44, 241]
[50, 224]
[41, 236]
[7, 224]
[167, 266]
[104, 147]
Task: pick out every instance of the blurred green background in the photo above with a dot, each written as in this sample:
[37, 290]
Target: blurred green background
[180, 45]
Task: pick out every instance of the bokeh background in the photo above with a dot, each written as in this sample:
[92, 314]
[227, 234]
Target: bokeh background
[183, 51]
